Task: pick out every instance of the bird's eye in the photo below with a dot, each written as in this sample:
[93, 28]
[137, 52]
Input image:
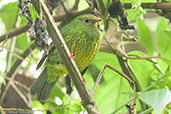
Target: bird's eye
[86, 20]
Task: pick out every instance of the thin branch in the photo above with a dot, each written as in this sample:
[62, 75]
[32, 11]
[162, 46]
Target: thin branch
[92, 4]
[75, 7]
[122, 74]
[72, 13]
[98, 80]
[87, 99]
[148, 111]
[14, 70]
[24, 28]
[14, 32]
[121, 107]
[149, 57]
[19, 93]
[2, 110]
[18, 83]
[63, 5]
[157, 5]
[60, 17]
[20, 110]
[14, 54]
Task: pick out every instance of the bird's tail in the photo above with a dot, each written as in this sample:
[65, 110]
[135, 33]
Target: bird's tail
[42, 87]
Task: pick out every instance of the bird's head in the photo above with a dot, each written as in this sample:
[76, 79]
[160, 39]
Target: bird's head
[88, 20]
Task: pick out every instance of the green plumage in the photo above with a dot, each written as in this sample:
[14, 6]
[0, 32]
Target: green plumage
[82, 38]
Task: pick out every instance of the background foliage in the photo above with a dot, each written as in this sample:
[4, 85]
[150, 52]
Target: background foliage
[154, 33]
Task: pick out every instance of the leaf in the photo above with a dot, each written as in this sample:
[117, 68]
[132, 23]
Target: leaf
[136, 7]
[143, 69]
[145, 36]
[163, 39]
[162, 24]
[57, 91]
[2, 30]
[21, 42]
[54, 108]
[75, 108]
[8, 14]
[38, 105]
[109, 94]
[158, 99]
[2, 80]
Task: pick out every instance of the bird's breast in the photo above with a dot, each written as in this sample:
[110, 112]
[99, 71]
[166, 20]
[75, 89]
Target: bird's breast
[84, 51]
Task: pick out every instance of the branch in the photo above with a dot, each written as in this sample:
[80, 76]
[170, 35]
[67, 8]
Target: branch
[75, 7]
[62, 16]
[123, 75]
[157, 5]
[14, 32]
[87, 99]
[13, 71]
[1, 110]
[57, 18]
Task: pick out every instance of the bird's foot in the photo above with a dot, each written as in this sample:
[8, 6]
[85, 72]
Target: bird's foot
[84, 80]
[72, 56]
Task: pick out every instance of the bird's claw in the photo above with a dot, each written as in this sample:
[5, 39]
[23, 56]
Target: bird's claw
[84, 80]
[72, 56]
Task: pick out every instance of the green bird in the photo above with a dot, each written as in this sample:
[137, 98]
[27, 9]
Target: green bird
[82, 38]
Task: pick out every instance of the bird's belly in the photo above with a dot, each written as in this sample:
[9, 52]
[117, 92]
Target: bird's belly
[84, 58]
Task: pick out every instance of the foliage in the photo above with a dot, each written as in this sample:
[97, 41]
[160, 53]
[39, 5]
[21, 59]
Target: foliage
[154, 75]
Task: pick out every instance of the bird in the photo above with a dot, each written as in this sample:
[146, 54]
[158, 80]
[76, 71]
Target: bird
[82, 38]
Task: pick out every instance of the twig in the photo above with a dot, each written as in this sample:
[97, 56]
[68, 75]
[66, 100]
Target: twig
[2, 110]
[92, 6]
[121, 107]
[19, 93]
[87, 100]
[13, 71]
[14, 32]
[66, 11]
[2, 46]
[18, 83]
[60, 17]
[75, 7]
[149, 57]
[98, 80]
[157, 5]
[148, 111]
[13, 53]
[24, 28]
[32, 110]
[122, 74]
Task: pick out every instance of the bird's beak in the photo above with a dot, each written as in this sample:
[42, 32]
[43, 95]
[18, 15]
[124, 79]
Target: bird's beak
[97, 20]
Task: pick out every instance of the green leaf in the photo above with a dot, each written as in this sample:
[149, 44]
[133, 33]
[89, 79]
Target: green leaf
[2, 25]
[109, 94]
[8, 14]
[57, 91]
[2, 79]
[38, 105]
[21, 42]
[145, 36]
[143, 69]
[54, 108]
[163, 39]
[162, 24]
[158, 99]
[75, 108]
[136, 7]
